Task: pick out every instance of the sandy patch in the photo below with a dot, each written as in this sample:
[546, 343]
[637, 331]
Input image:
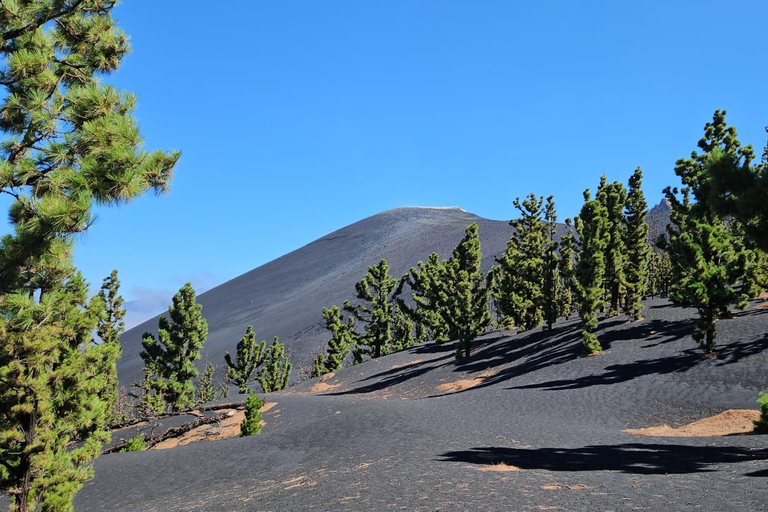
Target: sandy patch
[731, 422]
[501, 467]
[321, 386]
[228, 427]
[406, 365]
[461, 385]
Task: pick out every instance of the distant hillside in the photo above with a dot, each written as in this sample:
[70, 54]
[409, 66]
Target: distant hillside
[285, 297]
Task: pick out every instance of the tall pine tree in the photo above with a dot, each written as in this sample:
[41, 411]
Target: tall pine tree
[592, 226]
[520, 293]
[636, 247]
[704, 252]
[71, 143]
[374, 308]
[551, 296]
[464, 296]
[569, 293]
[425, 281]
[172, 355]
[613, 196]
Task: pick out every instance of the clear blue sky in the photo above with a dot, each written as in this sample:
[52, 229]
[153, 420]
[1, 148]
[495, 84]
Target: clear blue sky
[298, 118]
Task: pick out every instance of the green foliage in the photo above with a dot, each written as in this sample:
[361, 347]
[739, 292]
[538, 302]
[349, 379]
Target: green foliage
[135, 444]
[551, 289]
[72, 140]
[343, 338]
[636, 247]
[252, 422]
[206, 389]
[569, 292]
[250, 355]
[375, 309]
[402, 331]
[426, 281]
[707, 258]
[761, 424]
[109, 328]
[463, 299]
[171, 357]
[71, 143]
[613, 197]
[520, 294]
[592, 226]
[736, 188]
[275, 369]
[56, 391]
[150, 401]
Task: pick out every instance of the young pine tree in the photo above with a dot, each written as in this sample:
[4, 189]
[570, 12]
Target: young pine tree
[592, 226]
[567, 269]
[251, 424]
[704, 252]
[172, 355]
[343, 338]
[613, 197]
[464, 297]
[374, 308]
[275, 370]
[636, 246]
[250, 355]
[552, 291]
[110, 327]
[206, 389]
[71, 142]
[520, 293]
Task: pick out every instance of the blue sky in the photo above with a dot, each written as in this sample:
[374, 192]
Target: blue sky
[298, 118]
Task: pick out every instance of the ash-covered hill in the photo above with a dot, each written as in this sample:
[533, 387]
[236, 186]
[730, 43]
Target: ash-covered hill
[285, 297]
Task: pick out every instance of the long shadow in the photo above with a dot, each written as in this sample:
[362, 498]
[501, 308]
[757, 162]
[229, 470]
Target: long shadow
[682, 362]
[405, 373]
[632, 458]
[406, 366]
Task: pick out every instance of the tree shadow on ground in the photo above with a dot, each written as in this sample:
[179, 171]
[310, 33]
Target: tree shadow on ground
[682, 362]
[632, 458]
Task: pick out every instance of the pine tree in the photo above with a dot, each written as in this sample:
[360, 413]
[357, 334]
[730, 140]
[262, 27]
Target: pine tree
[592, 226]
[464, 296]
[613, 197]
[567, 270]
[249, 356]
[275, 370]
[426, 282]
[343, 338]
[520, 288]
[172, 355]
[109, 328]
[636, 246]
[251, 424]
[71, 143]
[551, 297]
[704, 252]
[374, 308]
[402, 330]
[55, 384]
[150, 401]
[206, 390]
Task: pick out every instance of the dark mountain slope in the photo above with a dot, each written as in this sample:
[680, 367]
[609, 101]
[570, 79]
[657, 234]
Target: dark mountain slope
[285, 297]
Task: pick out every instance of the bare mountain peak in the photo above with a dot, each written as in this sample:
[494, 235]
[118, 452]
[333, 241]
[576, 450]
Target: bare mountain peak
[661, 208]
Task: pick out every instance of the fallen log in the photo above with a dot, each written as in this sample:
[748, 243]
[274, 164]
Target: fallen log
[153, 439]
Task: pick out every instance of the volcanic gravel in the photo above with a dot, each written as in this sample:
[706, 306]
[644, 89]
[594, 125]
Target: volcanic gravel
[384, 437]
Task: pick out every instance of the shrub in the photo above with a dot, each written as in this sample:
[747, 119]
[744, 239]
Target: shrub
[135, 444]
[252, 423]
